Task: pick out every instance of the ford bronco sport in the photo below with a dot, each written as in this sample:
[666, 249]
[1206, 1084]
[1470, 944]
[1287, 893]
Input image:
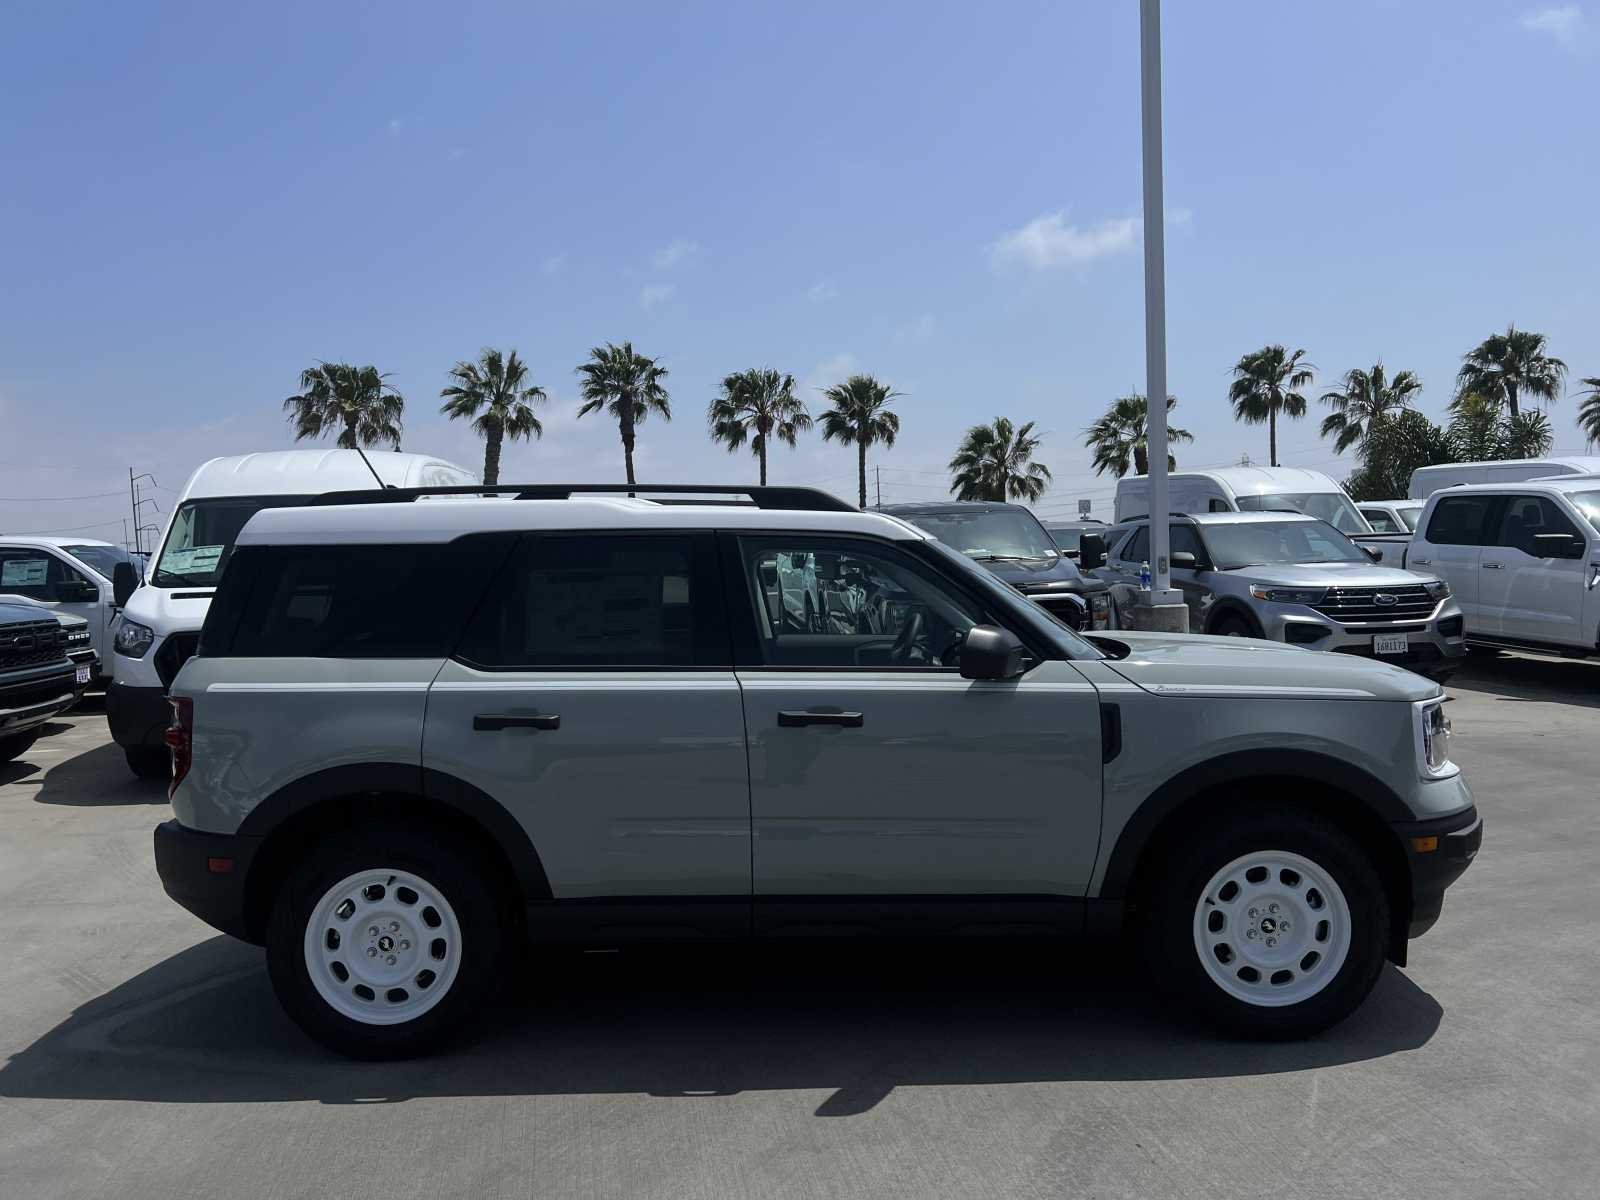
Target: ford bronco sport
[425, 724]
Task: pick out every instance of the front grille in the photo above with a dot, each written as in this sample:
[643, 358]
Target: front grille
[1361, 606]
[1064, 608]
[175, 651]
[31, 643]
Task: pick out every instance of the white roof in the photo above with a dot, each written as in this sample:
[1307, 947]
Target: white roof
[58, 542]
[1231, 518]
[1551, 483]
[1255, 481]
[311, 472]
[1390, 503]
[446, 518]
[1560, 465]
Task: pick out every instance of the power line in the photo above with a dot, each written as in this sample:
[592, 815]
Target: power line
[59, 529]
[50, 499]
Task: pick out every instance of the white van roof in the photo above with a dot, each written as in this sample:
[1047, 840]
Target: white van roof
[1254, 481]
[1427, 480]
[294, 472]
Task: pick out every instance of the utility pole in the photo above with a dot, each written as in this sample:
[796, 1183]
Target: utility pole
[1161, 608]
[133, 504]
[877, 472]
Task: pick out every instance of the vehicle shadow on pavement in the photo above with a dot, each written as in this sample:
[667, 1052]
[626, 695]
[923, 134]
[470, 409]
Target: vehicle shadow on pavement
[1516, 677]
[204, 1027]
[98, 777]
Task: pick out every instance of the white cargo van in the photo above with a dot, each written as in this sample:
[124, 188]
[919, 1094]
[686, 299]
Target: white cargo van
[1425, 481]
[161, 619]
[1246, 489]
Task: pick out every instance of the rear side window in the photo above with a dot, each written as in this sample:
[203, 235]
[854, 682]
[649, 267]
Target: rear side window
[1460, 520]
[371, 601]
[603, 601]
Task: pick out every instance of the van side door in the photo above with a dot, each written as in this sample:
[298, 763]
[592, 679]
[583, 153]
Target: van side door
[1451, 547]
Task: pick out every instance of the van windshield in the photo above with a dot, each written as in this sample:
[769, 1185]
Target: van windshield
[1333, 507]
[988, 533]
[202, 537]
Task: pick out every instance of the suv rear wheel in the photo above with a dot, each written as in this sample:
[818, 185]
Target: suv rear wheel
[1276, 927]
[148, 762]
[383, 943]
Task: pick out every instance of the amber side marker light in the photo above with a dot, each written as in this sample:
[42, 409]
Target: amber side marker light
[1425, 845]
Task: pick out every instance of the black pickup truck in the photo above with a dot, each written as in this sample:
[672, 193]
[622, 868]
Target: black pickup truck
[37, 678]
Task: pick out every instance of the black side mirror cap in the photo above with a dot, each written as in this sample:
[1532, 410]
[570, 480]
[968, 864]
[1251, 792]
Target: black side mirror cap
[124, 582]
[1558, 545]
[1185, 560]
[989, 652]
[1091, 551]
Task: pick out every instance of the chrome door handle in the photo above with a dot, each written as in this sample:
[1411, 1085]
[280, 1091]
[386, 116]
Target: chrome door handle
[1423, 561]
[795, 718]
[1494, 566]
[495, 722]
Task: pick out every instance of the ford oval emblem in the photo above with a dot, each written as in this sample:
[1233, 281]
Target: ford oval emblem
[1384, 598]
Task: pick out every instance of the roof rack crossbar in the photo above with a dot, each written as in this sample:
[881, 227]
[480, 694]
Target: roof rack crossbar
[798, 499]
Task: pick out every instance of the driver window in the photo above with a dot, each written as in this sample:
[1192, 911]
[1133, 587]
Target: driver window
[846, 604]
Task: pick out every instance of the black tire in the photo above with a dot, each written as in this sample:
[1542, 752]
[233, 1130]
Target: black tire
[1169, 935]
[17, 745]
[1230, 625]
[449, 866]
[149, 762]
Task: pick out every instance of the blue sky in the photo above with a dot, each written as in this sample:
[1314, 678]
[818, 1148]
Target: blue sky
[202, 199]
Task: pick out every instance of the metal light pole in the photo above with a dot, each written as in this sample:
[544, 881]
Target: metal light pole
[1164, 608]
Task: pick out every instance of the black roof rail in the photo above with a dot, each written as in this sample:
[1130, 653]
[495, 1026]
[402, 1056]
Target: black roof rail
[796, 499]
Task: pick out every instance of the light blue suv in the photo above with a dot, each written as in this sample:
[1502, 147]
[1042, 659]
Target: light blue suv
[417, 733]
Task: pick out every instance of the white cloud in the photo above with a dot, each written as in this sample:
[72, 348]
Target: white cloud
[919, 330]
[827, 373]
[653, 295]
[396, 127]
[677, 253]
[1565, 23]
[823, 289]
[1048, 241]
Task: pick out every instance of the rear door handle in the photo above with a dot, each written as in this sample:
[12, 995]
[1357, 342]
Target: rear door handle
[1494, 566]
[495, 722]
[794, 718]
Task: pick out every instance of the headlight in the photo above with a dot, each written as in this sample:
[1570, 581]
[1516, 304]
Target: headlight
[1437, 589]
[134, 639]
[1290, 595]
[1434, 734]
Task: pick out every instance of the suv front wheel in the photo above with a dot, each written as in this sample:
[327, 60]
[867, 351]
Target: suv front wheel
[1275, 927]
[383, 943]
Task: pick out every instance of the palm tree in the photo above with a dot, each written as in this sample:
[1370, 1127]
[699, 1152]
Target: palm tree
[757, 405]
[995, 462]
[1365, 398]
[1477, 428]
[1526, 435]
[860, 414]
[1266, 383]
[1394, 447]
[628, 386]
[355, 401]
[1509, 365]
[1120, 435]
[1589, 411]
[493, 392]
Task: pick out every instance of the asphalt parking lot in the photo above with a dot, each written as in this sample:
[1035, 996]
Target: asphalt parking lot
[144, 1055]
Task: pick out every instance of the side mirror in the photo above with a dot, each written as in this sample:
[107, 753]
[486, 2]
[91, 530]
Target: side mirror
[1091, 551]
[1185, 560]
[76, 591]
[1558, 545]
[990, 652]
[124, 582]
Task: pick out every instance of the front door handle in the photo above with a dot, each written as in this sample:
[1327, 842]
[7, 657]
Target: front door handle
[1493, 566]
[794, 718]
[495, 722]
[1422, 561]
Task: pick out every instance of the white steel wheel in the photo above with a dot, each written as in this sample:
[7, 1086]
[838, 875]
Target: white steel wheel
[383, 946]
[1272, 929]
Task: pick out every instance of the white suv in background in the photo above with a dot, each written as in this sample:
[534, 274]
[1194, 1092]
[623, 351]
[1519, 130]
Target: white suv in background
[1523, 560]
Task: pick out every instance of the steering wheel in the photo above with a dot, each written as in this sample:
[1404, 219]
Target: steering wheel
[910, 634]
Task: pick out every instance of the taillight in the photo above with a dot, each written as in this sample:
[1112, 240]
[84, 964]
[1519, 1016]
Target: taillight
[180, 739]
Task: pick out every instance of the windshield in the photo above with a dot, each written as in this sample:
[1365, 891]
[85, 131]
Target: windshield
[1333, 507]
[989, 533]
[1588, 504]
[991, 586]
[1409, 515]
[103, 559]
[1068, 538]
[1267, 542]
[202, 537]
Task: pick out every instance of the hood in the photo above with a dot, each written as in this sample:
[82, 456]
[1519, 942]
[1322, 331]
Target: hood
[1310, 575]
[1032, 575]
[157, 608]
[20, 608]
[1191, 665]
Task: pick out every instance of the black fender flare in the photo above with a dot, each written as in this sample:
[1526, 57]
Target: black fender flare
[1376, 797]
[407, 779]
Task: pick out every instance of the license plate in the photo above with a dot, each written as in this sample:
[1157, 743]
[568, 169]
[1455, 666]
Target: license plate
[1391, 643]
[81, 675]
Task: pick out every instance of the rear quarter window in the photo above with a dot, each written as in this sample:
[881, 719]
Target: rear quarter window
[368, 601]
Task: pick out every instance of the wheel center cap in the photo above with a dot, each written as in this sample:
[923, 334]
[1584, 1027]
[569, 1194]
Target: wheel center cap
[386, 943]
[1269, 925]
